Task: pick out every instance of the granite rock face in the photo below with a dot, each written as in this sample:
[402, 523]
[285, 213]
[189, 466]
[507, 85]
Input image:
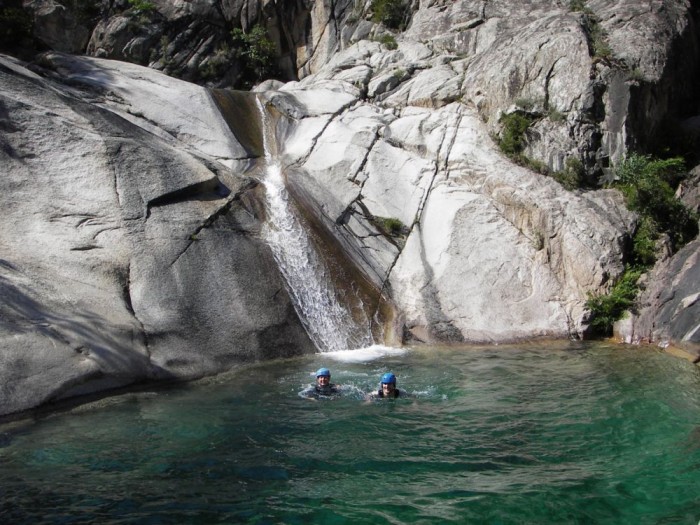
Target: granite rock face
[670, 304]
[130, 247]
[487, 251]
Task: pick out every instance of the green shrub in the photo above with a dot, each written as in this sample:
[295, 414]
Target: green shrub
[512, 139]
[648, 186]
[392, 13]
[636, 75]
[217, 63]
[526, 104]
[142, 6]
[596, 35]
[644, 242]
[572, 176]
[606, 309]
[390, 226]
[555, 115]
[578, 6]
[255, 51]
[389, 41]
[601, 48]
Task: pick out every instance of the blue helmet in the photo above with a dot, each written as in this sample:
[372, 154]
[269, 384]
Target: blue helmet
[388, 378]
[323, 372]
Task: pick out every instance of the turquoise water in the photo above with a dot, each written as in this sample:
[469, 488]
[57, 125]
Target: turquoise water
[567, 433]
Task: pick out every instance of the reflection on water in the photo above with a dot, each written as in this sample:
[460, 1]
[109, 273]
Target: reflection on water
[567, 433]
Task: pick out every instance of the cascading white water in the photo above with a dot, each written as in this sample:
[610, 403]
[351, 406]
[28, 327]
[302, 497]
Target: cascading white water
[329, 324]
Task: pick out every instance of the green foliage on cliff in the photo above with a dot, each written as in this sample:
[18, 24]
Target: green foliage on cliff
[606, 309]
[648, 186]
[572, 176]
[389, 41]
[256, 52]
[512, 139]
[141, 6]
[390, 226]
[392, 13]
[597, 37]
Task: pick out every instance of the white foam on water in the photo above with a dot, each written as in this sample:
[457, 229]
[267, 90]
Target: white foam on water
[363, 355]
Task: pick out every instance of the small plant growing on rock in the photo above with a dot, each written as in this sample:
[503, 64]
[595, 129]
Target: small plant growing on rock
[596, 35]
[538, 240]
[606, 309]
[572, 176]
[555, 115]
[512, 138]
[636, 75]
[579, 6]
[216, 64]
[648, 186]
[390, 226]
[141, 6]
[526, 104]
[392, 13]
[388, 41]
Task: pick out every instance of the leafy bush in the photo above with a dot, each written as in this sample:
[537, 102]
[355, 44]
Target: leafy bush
[389, 41]
[256, 52]
[579, 6]
[142, 6]
[636, 75]
[515, 125]
[606, 309]
[217, 63]
[390, 226]
[648, 186]
[644, 242]
[392, 13]
[597, 37]
[572, 176]
[555, 115]
[526, 104]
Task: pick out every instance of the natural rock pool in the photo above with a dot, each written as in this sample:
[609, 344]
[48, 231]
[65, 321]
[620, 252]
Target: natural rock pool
[555, 433]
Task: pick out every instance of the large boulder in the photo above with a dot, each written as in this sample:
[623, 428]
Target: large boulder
[63, 26]
[130, 237]
[669, 306]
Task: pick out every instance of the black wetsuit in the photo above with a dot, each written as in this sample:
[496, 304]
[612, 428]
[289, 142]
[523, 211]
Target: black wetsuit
[316, 391]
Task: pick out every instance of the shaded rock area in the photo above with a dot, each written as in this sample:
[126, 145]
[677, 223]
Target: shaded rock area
[669, 312]
[130, 246]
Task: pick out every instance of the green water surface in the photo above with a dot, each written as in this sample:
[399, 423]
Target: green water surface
[564, 433]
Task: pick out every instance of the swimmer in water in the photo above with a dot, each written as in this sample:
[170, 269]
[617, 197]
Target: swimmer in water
[323, 386]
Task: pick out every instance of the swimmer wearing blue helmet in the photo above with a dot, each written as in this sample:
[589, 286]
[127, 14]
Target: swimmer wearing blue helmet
[323, 386]
[387, 387]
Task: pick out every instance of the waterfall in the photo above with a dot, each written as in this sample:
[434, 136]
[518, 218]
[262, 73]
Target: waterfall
[329, 323]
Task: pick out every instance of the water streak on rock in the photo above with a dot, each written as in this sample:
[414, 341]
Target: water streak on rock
[328, 322]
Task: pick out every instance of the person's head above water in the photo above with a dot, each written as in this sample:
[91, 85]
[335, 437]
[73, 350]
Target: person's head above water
[388, 384]
[323, 377]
